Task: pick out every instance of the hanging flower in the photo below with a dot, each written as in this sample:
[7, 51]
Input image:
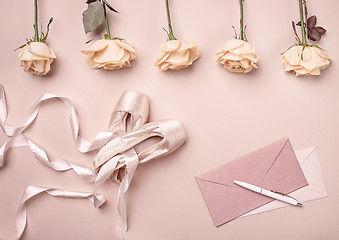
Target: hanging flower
[176, 54]
[238, 55]
[302, 58]
[35, 56]
[109, 53]
[305, 61]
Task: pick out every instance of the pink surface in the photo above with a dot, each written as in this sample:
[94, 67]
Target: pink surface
[226, 116]
[274, 167]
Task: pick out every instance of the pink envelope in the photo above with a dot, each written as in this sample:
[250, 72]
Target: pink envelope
[308, 159]
[274, 167]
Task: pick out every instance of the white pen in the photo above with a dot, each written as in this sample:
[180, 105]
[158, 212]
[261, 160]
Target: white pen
[268, 193]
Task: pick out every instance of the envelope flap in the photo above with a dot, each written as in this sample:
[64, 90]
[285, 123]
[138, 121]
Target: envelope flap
[285, 175]
[250, 168]
[312, 171]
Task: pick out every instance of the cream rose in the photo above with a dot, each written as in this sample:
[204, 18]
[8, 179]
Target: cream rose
[307, 62]
[36, 58]
[110, 54]
[176, 54]
[238, 56]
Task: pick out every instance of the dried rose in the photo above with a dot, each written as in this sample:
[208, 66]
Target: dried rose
[238, 56]
[110, 54]
[304, 59]
[36, 58]
[307, 61]
[176, 54]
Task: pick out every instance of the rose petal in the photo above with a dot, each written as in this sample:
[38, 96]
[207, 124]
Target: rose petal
[232, 57]
[187, 45]
[293, 55]
[41, 49]
[194, 54]
[170, 46]
[246, 48]
[112, 53]
[233, 44]
[321, 53]
[178, 58]
[99, 45]
[125, 45]
[162, 58]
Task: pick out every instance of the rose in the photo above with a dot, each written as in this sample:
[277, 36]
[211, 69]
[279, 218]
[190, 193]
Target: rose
[176, 54]
[36, 57]
[305, 62]
[110, 54]
[238, 56]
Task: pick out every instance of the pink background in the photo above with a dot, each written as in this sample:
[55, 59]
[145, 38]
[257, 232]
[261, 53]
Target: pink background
[226, 116]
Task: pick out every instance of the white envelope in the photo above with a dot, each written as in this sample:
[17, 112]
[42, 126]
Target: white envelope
[308, 159]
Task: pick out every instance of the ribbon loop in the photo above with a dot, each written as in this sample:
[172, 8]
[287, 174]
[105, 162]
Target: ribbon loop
[31, 191]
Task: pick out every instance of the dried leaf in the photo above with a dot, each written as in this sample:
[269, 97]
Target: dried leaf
[49, 23]
[312, 21]
[314, 45]
[109, 6]
[299, 23]
[93, 16]
[295, 32]
[23, 45]
[314, 35]
[90, 1]
[321, 30]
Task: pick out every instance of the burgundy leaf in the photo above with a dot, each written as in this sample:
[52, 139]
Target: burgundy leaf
[321, 30]
[312, 21]
[314, 35]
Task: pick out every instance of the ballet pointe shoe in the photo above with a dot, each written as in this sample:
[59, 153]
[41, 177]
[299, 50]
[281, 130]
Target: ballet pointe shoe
[130, 112]
[170, 132]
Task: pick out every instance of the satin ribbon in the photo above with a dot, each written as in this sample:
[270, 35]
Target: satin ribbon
[83, 146]
[31, 191]
[40, 154]
[130, 159]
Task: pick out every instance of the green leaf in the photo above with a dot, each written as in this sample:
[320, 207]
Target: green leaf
[109, 6]
[93, 16]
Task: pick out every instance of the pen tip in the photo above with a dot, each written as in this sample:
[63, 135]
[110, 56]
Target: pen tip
[299, 205]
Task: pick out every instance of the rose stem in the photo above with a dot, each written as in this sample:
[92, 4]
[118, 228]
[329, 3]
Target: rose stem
[241, 35]
[170, 34]
[106, 21]
[36, 36]
[301, 7]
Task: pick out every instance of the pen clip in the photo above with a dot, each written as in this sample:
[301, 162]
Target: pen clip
[284, 194]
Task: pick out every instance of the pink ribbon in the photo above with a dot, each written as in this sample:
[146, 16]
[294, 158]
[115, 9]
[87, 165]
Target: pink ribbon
[19, 140]
[40, 154]
[31, 191]
[130, 159]
[82, 145]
